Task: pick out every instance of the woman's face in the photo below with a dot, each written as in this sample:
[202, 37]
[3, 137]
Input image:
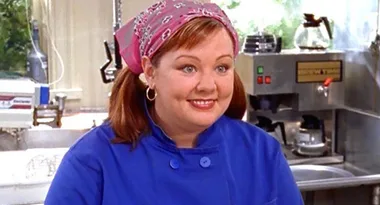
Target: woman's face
[194, 87]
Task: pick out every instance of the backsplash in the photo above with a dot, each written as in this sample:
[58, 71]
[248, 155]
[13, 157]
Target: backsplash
[358, 139]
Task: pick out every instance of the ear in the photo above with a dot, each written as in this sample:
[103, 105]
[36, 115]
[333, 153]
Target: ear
[149, 71]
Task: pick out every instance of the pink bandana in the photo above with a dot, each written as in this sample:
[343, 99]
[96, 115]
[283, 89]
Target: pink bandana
[143, 35]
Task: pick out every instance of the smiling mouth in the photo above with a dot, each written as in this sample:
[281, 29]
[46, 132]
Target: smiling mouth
[202, 104]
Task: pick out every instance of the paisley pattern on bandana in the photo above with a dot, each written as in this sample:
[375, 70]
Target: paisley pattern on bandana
[144, 34]
[167, 19]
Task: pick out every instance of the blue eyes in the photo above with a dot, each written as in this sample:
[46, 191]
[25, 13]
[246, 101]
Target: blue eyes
[222, 69]
[188, 69]
[191, 69]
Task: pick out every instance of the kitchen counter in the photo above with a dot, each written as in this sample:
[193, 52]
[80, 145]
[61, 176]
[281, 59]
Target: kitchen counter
[361, 177]
[338, 183]
[26, 175]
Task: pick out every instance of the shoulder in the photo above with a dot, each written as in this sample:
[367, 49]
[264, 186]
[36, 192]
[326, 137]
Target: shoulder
[94, 140]
[93, 145]
[245, 134]
[81, 171]
[246, 130]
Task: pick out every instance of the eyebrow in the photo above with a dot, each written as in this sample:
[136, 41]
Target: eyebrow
[196, 58]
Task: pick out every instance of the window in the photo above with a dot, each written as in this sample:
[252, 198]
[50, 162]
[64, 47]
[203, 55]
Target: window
[278, 17]
[72, 33]
[14, 38]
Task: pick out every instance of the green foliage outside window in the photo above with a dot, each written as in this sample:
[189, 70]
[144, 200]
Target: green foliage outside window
[14, 36]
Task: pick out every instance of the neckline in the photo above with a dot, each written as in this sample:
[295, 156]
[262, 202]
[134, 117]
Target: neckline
[208, 141]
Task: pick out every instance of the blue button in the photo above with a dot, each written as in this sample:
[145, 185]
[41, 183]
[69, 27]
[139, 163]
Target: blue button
[205, 162]
[174, 164]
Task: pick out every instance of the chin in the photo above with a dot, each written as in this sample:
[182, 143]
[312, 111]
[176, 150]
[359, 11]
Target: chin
[203, 119]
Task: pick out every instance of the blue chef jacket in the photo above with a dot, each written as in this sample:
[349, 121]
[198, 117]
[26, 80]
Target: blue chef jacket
[234, 163]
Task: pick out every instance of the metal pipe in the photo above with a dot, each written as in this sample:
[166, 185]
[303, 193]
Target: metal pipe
[116, 15]
[117, 5]
[378, 17]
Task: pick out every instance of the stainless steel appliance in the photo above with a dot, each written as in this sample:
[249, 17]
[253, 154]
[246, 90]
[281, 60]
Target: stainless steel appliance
[286, 87]
[311, 138]
[262, 42]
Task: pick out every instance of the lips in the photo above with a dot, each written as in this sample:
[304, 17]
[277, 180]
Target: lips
[203, 104]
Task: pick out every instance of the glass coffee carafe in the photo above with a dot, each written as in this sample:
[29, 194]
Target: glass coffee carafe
[310, 35]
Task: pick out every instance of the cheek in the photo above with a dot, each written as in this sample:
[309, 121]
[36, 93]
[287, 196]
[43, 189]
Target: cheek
[174, 86]
[226, 87]
[183, 89]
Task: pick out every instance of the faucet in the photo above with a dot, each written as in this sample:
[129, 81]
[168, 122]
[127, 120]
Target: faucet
[60, 98]
[324, 88]
[54, 111]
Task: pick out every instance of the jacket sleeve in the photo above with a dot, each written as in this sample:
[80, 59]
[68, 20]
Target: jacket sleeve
[288, 192]
[77, 181]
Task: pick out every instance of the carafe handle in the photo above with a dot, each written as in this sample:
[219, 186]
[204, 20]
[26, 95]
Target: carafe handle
[327, 25]
[283, 133]
[323, 130]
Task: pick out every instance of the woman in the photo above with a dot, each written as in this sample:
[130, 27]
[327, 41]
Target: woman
[179, 138]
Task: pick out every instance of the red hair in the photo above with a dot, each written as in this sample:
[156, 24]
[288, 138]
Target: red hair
[126, 112]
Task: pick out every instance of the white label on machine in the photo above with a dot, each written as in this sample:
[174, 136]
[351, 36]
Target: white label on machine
[15, 102]
[304, 136]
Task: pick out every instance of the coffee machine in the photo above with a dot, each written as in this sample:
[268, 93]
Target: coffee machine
[302, 90]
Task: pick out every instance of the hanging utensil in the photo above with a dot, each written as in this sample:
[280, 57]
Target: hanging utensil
[108, 74]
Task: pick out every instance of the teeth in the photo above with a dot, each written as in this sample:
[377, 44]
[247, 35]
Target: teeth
[202, 102]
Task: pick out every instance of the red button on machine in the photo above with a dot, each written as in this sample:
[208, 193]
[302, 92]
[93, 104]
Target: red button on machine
[268, 80]
[260, 80]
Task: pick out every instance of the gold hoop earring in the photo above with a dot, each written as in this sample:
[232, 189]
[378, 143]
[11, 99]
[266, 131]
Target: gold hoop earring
[147, 94]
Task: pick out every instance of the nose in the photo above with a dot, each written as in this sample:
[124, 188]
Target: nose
[206, 82]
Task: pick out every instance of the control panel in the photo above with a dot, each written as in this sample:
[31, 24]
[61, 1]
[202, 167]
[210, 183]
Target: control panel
[261, 78]
[288, 73]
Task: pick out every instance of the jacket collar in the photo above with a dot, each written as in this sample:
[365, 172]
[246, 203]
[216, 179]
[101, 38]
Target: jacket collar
[208, 139]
